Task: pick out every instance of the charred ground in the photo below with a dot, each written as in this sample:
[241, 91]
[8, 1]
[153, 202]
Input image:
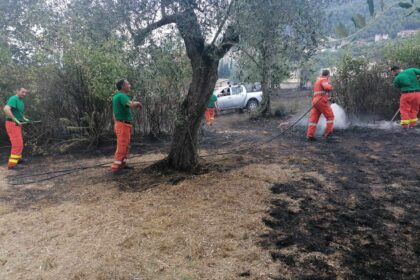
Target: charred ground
[360, 221]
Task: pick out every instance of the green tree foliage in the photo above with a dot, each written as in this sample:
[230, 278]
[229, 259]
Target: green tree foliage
[359, 21]
[71, 68]
[405, 53]
[161, 82]
[341, 31]
[275, 37]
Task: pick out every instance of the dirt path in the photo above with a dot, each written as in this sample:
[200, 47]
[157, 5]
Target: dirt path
[283, 210]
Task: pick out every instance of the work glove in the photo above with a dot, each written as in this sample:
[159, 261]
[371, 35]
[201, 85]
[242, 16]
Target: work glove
[17, 121]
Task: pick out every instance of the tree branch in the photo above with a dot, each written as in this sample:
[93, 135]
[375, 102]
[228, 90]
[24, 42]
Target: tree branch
[162, 10]
[230, 39]
[252, 58]
[223, 23]
[191, 33]
[142, 34]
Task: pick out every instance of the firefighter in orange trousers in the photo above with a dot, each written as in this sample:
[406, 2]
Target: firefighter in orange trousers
[406, 81]
[321, 105]
[122, 105]
[212, 106]
[14, 110]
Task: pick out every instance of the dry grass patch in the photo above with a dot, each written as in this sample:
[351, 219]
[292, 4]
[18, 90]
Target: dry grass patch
[205, 227]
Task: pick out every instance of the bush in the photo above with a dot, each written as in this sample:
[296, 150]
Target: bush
[405, 53]
[365, 88]
[72, 95]
[280, 111]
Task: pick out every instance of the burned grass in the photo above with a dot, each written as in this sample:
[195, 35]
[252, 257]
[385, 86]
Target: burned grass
[360, 221]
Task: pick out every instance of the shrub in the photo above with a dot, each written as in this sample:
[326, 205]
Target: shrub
[72, 95]
[280, 111]
[405, 53]
[364, 88]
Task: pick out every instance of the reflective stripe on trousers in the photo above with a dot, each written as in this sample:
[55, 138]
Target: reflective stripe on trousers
[123, 132]
[16, 139]
[409, 109]
[321, 105]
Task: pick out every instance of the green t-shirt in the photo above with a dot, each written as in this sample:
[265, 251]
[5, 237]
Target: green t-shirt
[212, 101]
[122, 111]
[407, 80]
[18, 107]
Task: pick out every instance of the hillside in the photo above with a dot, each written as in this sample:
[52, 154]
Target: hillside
[392, 22]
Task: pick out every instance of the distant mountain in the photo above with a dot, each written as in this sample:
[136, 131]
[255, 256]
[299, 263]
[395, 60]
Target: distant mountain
[393, 21]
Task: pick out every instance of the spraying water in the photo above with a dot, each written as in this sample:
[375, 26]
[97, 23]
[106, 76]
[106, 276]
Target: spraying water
[340, 120]
[384, 125]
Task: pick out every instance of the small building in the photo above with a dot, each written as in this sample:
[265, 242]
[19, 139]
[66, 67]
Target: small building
[381, 37]
[407, 33]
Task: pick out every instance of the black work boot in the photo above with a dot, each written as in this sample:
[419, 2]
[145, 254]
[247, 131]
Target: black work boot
[311, 139]
[120, 171]
[127, 167]
[331, 138]
[16, 167]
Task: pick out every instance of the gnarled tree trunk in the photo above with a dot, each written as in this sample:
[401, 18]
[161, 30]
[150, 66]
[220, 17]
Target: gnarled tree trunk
[204, 59]
[267, 88]
[183, 155]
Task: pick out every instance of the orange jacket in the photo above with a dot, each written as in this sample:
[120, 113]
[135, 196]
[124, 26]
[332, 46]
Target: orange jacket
[322, 85]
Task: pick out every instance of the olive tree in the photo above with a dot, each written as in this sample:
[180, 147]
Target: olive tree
[276, 35]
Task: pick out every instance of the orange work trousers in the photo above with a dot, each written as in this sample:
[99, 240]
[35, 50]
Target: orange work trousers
[210, 112]
[321, 105]
[14, 132]
[409, 109]
[123, 132]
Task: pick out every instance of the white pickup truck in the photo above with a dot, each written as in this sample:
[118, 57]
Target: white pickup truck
[237, 97]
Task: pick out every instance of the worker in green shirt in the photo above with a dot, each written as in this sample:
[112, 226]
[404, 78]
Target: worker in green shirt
[212, 106]
[122, 105]
[14, 110]
[406, 81]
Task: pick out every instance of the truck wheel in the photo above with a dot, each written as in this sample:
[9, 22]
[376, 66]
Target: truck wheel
[252, 105]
